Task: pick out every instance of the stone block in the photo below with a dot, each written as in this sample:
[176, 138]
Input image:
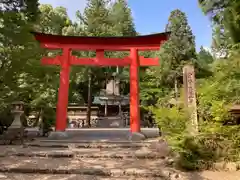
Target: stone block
[161, 147]
[136, 136]
[58, 135]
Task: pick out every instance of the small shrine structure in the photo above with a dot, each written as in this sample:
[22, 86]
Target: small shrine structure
[100, 44]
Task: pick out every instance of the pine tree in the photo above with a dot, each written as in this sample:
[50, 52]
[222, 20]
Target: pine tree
[159, 82]
[101, 18]
[204, 63]
[204, 56]
[95, 22]
[121, 19]
[95, 18]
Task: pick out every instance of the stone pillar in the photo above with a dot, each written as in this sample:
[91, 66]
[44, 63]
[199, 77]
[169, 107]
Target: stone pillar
[190, 97]
[105, 108]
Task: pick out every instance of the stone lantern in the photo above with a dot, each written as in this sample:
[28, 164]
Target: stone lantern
[17, 111]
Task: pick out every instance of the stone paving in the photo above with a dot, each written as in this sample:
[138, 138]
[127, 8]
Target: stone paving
[134, 152]
[95, 161]
[118, 162]
[65, 177]
[206, 175]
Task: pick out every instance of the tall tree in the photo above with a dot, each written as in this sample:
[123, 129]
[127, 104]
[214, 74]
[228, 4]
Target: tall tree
[95, 22]
[204, 56]
[204, 63]
[158, 82]
[121, 19]
[122, 25]
[17, 47]
[178, 50]
[28, 7]
[101, 18]
[225, 18]
[43, 81]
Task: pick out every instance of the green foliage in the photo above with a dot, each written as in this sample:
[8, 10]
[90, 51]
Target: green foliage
[179, 49]
[29, 8]
[200, 152]
[218, 136]
[22, 77]
[226, 19]
[121, 13]
[102, 19]
[6, 117]
[204, 57]
[159, 81]
[213, 143]
[172, 123]
[48, 117]
[17, 48]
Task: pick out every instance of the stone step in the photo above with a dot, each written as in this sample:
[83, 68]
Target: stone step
[19, 176]
[105, 134]
[92, 141]
[205, 175]
[86, 144]
[86, 166]
[117, 153]
[79, 155]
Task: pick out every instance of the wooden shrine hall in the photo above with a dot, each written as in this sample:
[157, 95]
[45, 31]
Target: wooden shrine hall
[100, 44]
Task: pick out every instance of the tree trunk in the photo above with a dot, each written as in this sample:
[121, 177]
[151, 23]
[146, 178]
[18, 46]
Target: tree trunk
[89, 99]
[38, 122]
[176, 89]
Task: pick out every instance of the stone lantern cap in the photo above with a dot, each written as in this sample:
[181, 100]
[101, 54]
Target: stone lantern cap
[18, 102]
[235, 109]
[18, 106]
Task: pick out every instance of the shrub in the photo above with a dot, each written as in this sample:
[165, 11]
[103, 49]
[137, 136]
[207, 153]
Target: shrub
[48, 118]
[214, 142]
[172, 122]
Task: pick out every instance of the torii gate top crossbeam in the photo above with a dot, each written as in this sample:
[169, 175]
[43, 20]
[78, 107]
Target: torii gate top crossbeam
[146, 42]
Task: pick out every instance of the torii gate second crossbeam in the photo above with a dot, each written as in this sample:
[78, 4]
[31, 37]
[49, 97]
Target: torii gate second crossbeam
[100, 44]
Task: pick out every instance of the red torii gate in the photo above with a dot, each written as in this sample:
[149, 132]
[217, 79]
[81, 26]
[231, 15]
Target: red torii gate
[99, 44]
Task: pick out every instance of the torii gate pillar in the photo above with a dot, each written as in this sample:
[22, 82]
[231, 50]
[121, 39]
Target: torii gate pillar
[134, 91]
[62, 104]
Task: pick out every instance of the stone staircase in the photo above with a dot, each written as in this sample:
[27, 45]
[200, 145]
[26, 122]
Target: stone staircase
[95, 160]
[100, 160]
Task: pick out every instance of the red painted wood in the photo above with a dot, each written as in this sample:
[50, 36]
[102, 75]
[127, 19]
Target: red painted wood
[62, 104]
[51, 60]
[100, 53]
[146, 42]
[106, 47]
[148, 61]
[134, 92]
[100, 62]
